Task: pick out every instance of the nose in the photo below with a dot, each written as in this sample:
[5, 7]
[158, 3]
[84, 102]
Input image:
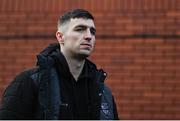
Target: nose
[88, 35]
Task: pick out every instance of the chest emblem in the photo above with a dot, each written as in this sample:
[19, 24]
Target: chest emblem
[105, 109]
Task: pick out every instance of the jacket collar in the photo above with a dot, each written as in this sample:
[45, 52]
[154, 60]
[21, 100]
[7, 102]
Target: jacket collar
[52, 55]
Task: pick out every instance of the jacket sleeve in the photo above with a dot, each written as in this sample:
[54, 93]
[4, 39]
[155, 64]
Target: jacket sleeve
[18, 100]
[116, 117]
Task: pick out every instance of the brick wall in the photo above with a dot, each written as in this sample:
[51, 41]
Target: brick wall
[138, 44]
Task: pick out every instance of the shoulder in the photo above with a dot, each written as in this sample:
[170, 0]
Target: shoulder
[22, 82]
[18, 98]
[107, 89]
[25, 76]
[26, 73]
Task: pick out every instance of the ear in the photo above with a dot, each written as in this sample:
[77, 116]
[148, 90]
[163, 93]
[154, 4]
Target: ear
[59, 37]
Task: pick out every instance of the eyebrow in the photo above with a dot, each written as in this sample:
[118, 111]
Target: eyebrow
[85, 26]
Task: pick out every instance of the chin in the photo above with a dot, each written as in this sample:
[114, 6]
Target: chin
[85, 54]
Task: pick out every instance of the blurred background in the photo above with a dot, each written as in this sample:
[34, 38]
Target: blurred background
[138, 45]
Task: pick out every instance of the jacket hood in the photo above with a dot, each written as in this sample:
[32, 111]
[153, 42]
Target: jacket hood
[45, 58]
[50, 49]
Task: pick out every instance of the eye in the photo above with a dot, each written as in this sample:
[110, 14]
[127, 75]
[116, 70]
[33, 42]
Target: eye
[93, 31]
[80, 29]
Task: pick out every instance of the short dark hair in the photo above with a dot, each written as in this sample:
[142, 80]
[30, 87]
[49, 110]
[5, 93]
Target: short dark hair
[75, 13]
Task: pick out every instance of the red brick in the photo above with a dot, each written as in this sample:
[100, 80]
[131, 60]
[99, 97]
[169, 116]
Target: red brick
[143, 73]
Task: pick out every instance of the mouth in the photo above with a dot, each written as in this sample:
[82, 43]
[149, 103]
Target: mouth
[86, 46]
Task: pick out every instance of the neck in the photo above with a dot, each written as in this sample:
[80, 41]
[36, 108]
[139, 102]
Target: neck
[75, 65]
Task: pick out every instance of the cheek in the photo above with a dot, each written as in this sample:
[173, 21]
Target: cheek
[73, 37]
[72, 41]
[94, 41]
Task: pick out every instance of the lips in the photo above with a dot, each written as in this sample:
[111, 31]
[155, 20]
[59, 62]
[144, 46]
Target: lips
[86, 45]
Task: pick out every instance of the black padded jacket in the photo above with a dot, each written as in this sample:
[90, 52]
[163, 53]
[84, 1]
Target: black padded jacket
[35, 93]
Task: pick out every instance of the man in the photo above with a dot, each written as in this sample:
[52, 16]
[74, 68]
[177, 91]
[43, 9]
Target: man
[65, 84]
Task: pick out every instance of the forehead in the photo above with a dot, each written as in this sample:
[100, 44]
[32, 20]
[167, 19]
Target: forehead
[80, 21]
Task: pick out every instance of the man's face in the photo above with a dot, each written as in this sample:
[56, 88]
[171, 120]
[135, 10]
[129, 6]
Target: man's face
[79, 38]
